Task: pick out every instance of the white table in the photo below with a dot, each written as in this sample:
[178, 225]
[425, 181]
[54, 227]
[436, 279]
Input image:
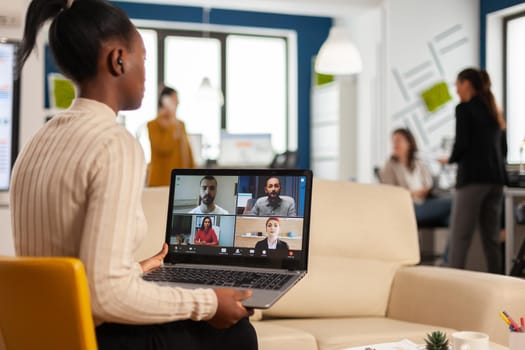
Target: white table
[391, 346]
[510, 194]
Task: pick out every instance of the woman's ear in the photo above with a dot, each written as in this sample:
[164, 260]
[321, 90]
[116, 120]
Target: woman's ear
[115, 61]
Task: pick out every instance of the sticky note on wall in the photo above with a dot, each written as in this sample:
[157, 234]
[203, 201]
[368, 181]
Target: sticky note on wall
[437, 96]
[62, 91]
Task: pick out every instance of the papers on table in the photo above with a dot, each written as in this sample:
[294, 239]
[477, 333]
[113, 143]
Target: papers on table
[404, 344]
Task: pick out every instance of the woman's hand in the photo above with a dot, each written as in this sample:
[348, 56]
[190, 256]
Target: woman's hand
[229, 308]
[155, 261]
[420, 194]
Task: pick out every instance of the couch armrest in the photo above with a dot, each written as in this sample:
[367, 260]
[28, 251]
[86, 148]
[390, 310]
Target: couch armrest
[459, 299]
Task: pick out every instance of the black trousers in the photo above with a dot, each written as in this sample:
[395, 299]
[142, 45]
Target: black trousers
[176, 335]
[476, 204]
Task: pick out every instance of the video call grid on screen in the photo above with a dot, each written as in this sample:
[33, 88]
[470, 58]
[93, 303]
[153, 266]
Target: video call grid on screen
[239, 228]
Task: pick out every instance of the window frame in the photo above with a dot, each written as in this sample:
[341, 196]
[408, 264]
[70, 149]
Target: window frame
[505, 68]
[221, 32]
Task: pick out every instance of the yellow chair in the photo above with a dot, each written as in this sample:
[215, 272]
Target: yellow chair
[44, 304]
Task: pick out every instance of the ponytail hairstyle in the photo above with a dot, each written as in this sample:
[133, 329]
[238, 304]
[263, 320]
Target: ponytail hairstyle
[480, 82]
[490, 100]
[78, 30]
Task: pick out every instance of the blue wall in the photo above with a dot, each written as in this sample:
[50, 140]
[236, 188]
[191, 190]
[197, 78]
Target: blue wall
[311, 33]
[486, 7]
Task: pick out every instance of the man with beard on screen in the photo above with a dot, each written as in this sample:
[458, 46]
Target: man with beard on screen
[207, 193]
[273, 204]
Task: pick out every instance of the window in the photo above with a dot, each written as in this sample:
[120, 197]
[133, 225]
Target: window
[514, 71]
[250, 70]
[187, 61]
[256, 87]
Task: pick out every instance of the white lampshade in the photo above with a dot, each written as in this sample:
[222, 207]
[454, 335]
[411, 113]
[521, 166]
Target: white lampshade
[338, 55]
[208, 94]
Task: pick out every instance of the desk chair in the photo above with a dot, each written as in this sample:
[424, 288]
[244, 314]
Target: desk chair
[44, 304]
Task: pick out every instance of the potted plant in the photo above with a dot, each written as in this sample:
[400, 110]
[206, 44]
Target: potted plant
[436, 340]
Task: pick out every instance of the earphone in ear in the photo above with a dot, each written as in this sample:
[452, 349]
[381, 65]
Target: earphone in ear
[119, 61]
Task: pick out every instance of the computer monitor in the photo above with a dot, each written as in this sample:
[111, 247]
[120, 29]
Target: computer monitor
[9, 111]
[241, 150]
[196, 148]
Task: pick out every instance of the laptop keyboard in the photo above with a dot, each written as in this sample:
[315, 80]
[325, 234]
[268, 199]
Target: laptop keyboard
[219, 278]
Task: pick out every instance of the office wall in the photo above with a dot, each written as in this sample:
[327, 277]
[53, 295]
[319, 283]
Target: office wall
[428, 42]
[407, 47]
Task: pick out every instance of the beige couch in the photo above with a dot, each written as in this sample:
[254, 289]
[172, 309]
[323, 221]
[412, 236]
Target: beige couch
[363, 284]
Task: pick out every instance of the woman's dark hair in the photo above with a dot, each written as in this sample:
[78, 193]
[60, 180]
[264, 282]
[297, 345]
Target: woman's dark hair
[480, 82]
[166, 91]
[202, 223]
[412, 146]
[76, 34]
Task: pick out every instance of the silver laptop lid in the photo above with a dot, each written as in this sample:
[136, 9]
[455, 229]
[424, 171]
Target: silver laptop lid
[249, 218]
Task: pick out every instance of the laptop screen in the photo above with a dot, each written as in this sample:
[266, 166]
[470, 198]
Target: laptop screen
[239, 217]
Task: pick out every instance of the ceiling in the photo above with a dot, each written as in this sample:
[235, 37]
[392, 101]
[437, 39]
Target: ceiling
[329, 8]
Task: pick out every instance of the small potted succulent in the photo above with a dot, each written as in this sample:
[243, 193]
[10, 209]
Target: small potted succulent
[436, 340]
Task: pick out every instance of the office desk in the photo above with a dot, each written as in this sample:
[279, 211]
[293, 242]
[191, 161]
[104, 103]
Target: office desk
[510, 194]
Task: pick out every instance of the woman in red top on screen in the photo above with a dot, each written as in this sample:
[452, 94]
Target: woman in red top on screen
[206, 234]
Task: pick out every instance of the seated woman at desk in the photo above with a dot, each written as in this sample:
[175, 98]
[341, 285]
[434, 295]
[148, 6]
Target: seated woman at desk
[406, 170]
[206, 234]
[272, 241]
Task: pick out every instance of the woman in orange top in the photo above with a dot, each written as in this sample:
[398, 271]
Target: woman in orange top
[170, 147]
[206, 234]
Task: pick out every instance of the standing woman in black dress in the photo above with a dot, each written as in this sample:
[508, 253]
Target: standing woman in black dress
[479, 151]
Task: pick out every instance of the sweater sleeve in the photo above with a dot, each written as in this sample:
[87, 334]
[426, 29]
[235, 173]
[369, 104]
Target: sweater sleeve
[387, 174]
[427, 180]
[462, 134]
[114, 221]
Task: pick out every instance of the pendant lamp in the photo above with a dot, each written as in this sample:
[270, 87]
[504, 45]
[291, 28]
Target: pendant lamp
[338, 55]
[208, 94]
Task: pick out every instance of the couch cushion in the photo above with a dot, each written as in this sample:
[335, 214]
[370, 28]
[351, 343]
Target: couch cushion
[272, 336]
[362, 220]
[339, 287]
[155, 204]
[465, 300]
[340, 333]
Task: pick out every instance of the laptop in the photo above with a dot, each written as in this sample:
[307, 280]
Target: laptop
[252, 240]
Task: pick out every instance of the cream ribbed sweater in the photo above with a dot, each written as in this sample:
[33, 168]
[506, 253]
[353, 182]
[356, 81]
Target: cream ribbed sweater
[76, 191]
